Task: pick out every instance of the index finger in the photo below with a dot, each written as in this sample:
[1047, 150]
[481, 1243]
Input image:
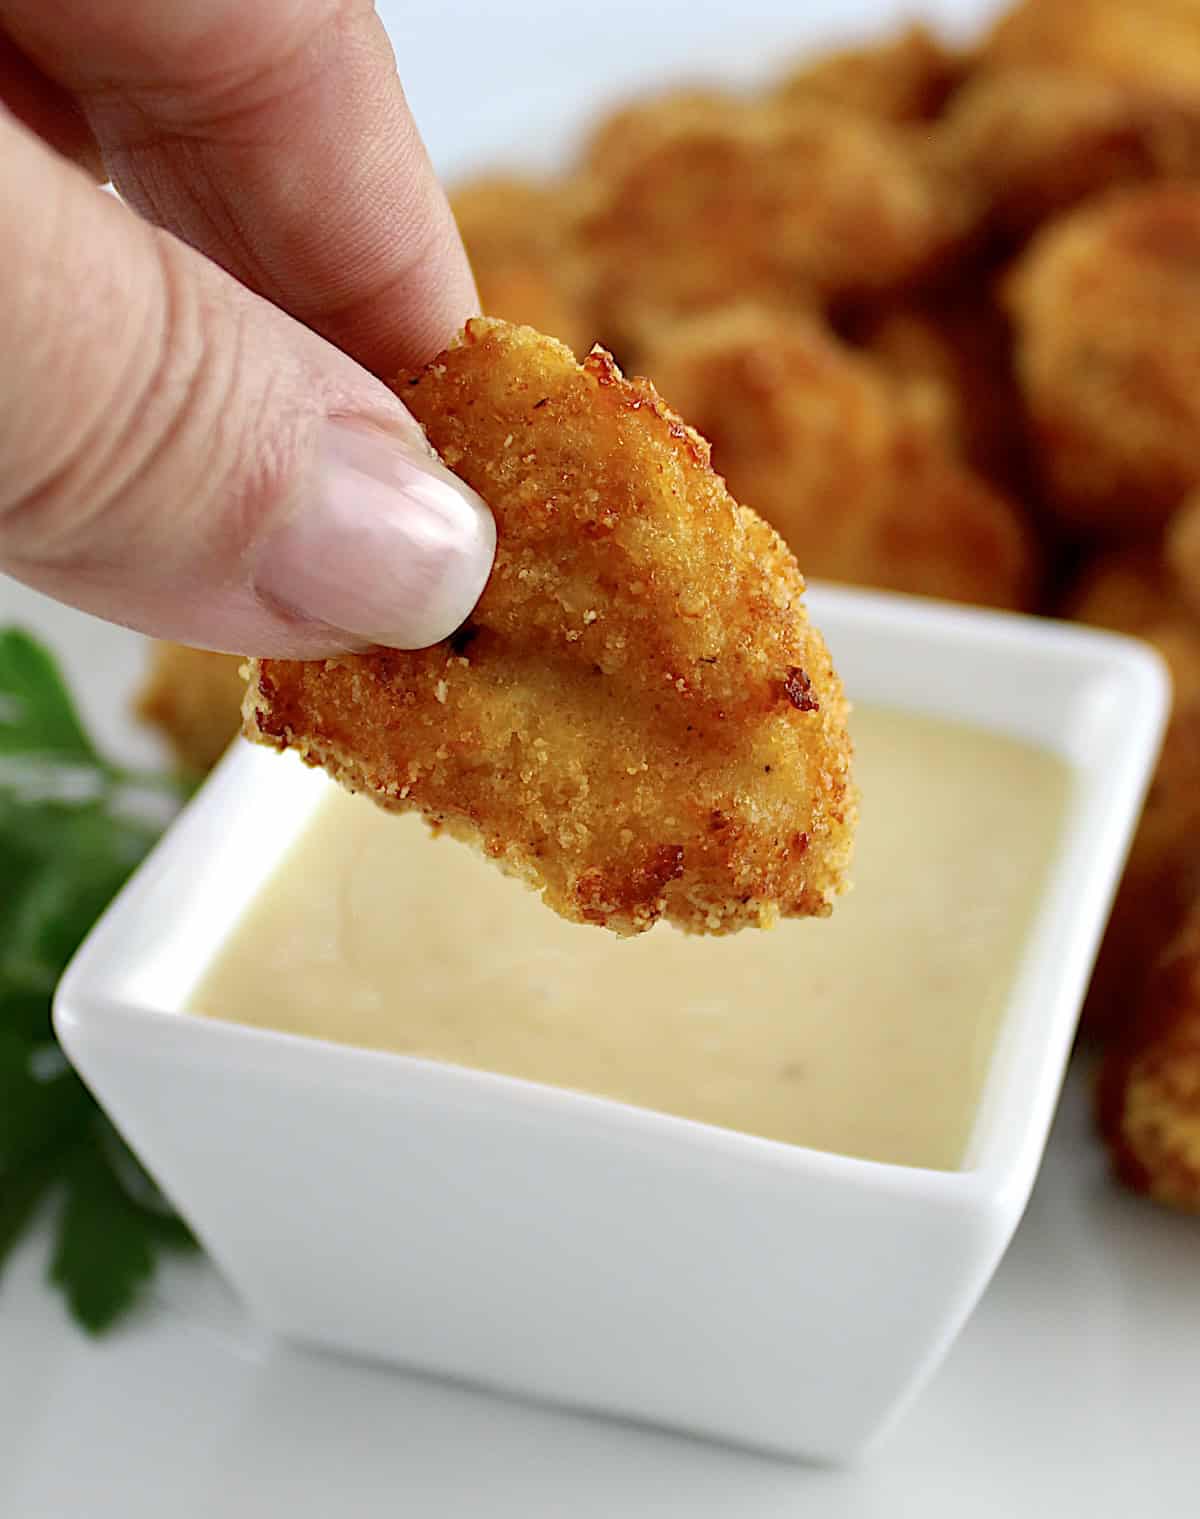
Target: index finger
[274, 136]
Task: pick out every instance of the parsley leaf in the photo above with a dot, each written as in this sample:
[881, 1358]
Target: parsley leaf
[36, 714]
[38, 1108]
[72, 828]
[20, 1196]
[107, 1242]
[101, 1257]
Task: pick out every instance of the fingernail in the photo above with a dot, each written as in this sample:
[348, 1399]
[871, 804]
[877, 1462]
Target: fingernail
[391, 548]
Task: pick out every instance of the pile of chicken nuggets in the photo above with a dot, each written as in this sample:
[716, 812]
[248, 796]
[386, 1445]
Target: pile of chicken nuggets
[937, 311]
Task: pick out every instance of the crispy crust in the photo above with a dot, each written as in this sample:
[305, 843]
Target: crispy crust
[814, 438]
[950, 359]
[907, 77]
[1150, 42]
[638, 719]
[1131, 591]
[804, 203]
[1108, 356]
[1036, 141]
[1148, 1098]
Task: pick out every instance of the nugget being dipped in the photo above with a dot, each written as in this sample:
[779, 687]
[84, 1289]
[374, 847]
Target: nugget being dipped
[637, 719]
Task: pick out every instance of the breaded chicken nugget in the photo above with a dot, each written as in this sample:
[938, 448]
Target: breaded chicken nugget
[1148, 1100]
[1132, 591]
[1037, 141]
[904, 78]
[1108, 355]
[1151, 42]
[921, 366]
[195, 699]
[638, 718]
[815, 438]
[515, 236]
[1181, 550]
[621, 133]
[798, 204]
[950, 359]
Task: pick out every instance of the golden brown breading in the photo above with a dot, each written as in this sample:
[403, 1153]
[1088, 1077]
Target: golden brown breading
[907, 77]
[1037, 141]
[1152, 42]
[514, 231]
[1181, 550]
[1148, 1100]
[621, 132]
[1108, 355]
[1132, 592]
[638, 718]
[814, 438]
[797, 204]
[195, 699]
[950, 360]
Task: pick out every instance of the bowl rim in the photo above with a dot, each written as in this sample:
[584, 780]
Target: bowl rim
[1014, 1112]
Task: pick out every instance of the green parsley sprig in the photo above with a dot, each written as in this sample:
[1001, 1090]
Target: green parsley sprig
[72, 828]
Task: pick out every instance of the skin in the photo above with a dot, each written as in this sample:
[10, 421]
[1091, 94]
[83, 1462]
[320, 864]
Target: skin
[171, 378]
[213, 120]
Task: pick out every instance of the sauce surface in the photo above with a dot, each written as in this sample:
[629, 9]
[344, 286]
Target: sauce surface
[867, 1033]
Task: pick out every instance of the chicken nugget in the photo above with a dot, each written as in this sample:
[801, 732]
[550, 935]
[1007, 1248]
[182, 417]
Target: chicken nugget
[801, 204]
[1108, 357]
[815, 439]
[922, 367]
[1148, 1097]
[194, 698]
[621, 133]
[950, 359]
[1132, 591]
[1036, 141]
[904, 78]
[638, 718]
[514, 231]
[1181, 550]
[1150, 42]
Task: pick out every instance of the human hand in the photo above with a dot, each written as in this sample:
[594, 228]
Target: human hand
[192, 438]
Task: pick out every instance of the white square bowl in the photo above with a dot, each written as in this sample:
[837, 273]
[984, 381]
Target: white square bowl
[576, 1249]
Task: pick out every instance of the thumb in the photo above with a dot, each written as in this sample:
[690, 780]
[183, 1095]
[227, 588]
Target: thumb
[180, 456]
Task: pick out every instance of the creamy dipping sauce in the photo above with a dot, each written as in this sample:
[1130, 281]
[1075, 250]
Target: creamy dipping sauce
[868, 1033]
